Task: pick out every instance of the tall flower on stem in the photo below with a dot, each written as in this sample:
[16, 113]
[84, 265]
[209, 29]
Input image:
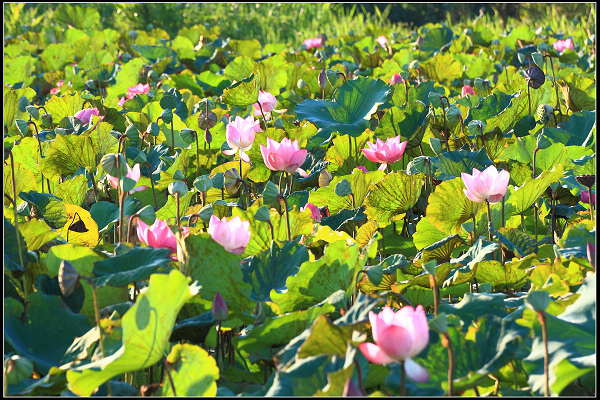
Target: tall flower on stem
[488, 186]
[398, 336]
[285, 156]
[158, 235]
[132, 173]
[240, 134]
[233, 235]
[386, 152]
[267, 102]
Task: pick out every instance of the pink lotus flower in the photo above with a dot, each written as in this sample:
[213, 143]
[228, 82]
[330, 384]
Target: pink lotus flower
[585, 197]
[591, 254]
[54, 90]
[385, 153]
[382, 41]
[122, 101]
[489, 185]
[233, 235]
[362, 168]
[240, 135]
[562, 45]
[158, 235]
[314, 211]
[132, 174]
[268, 103]
[85, 115]
[467, 89]
[398, 336]
[316, 42]
[139, 89]
[285, 156]
[60, 83]
[396, 78]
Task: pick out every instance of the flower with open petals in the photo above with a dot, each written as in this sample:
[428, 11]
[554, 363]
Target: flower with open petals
[489, 185]
[285, 156]
[240, 134]
[467, 90]
[562, 45]
[85, 115]
[396, 78]
[386, 152]
[132, 173]
[398, 336]
[139, 89]
[158, 235]
[314, 211]
[233, 235]
[315, 42]
[585, 197]
[382, 41]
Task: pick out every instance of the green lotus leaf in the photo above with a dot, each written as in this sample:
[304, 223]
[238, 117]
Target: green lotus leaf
[51, 208]
[20, 70]
[37, 233]
[449, 207]
[392, 196]
[516, 242]
[577, 131]
[12, 260]
[451, 164]
[269, 270]
[422, 280]
[135, 265]
[127, 77]
[56, 56]
[326, 338]
[349, 112]
[146, 330]
[24, 179]
[169, 210]
[317, 279]
[441, 250]
[49, 328]
[510, 275]
[272, 72]
[280, 330]
[361, 184]
[344, 157]
[523, 197]
[436, 40]
[578, 91]
[72, 191]
[441, 68]
[77, 16]
[243, 93]
[216, 270]
[408, 121]
[194, 372]
[490, 106]
[64, 106]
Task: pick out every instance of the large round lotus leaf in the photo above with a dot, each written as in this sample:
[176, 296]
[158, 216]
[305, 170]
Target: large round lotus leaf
[351, 109]
[194, 372]
[392, 196]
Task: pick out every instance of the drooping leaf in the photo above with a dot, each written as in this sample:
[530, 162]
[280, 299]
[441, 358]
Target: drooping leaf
[194, 372]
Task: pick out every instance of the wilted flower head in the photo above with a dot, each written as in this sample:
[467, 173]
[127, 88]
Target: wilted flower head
[285, 156]
[489, 185]
[562, 45]
[132, 173]
[398, 336]
[85, 115]
[386, 152]
[467, 89]
[158, 235]
[233, 235]
[240, 134]
[314, 42]
[396, 78]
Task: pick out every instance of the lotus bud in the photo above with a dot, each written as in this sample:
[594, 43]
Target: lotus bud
[322, 79]
[68, 277]
[207, 136]
[219, 308]
[420, 41]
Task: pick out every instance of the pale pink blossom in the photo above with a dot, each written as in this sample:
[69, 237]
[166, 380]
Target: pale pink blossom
[396, 78]
[398, 336]
[54, 90]
[386, 152]
[233, 235]
[383, 42]
[285, 156]
[268, 103]
[240, 134]
[132, 173]
[314, 210]
[122, 101]
[562, 45]
[489, 185]
[85, 115]
[362, 168]
[158, 235]
[467, 89]
[315, 42]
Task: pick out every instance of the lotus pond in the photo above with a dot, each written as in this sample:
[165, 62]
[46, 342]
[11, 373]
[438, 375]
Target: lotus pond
[362, 215]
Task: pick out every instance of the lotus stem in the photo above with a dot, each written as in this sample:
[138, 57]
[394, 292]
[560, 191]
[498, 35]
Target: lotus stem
[553, 202]
[529, 98]
[350, 149]
[489, 219]
[542, 320]
[436, 297]
[287, 218]
[176, 194]
[360, 379]
[554, 82]
[217, 346]
[172, 136]
[362, 271]
[197, 154]
[166, 369]
[446, 342]
[474, 229]
[402, 379]
[263, 114]
[121, 201]
[152, 184]
[94, 186]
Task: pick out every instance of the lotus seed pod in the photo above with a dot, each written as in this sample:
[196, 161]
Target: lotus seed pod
[587, 180]
[543, 113]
